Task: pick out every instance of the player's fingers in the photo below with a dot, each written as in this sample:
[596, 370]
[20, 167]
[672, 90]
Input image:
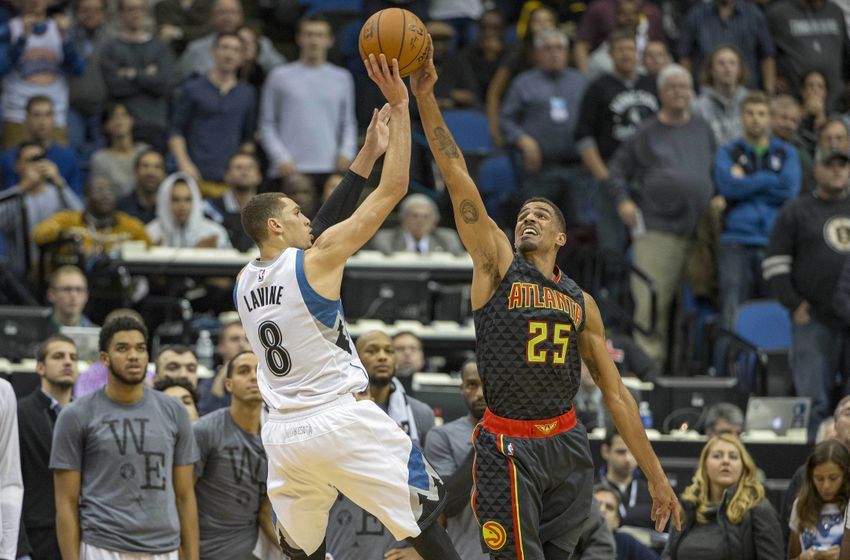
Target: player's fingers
[677, 518]
[661, 521]
[373, 120]
[385, 67]
[384, 113]
[368, 63]
[396, 73]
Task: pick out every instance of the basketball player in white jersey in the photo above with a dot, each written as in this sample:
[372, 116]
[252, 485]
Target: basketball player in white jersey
[319, 439]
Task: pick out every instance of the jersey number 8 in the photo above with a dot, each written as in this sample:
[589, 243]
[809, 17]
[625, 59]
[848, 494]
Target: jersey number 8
[277, 358]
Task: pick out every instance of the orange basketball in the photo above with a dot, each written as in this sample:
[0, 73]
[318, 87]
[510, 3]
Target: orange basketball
[398, 34]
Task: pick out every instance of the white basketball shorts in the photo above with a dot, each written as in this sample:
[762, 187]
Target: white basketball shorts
[352, 447]
[89, 552]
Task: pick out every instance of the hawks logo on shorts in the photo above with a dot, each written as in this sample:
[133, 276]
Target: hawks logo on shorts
[494, 535]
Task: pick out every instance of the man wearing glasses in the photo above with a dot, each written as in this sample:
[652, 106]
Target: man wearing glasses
[68, 292]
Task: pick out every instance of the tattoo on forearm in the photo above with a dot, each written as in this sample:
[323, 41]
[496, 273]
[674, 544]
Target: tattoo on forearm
[468, 211]
[445, 143]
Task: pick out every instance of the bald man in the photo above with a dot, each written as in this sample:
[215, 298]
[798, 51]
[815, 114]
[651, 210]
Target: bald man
[377, 353]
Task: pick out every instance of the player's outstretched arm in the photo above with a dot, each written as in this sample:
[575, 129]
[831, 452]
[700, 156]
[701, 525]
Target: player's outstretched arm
[339, 242]
[624, 411]
[483, 239]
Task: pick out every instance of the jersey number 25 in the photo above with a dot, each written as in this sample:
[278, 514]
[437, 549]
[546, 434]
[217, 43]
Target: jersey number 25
[535, 353]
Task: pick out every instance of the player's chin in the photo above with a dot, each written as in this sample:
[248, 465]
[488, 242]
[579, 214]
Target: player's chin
[526, 246]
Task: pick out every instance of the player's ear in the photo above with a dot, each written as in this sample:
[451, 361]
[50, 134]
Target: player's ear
[104, 358]
[228, 385]
[561, 239]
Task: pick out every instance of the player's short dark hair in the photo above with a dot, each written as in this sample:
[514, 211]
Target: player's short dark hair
[229, 371]
[36, 99]
[559, 215]
[145, 153]
[257, 212]
[164, 382]
[472, 360]
[120, 324]
[621, 34]
[41, 351]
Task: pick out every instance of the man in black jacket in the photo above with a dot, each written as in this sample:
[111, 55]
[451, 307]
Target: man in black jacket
[807, 249]
[56, 364]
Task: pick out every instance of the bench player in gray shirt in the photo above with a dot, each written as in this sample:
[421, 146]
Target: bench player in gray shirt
[231, 473]
[449, 449]
[122, 463]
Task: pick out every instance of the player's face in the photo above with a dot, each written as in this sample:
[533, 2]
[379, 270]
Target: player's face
[620, 460]
[608, 507]
[828, 479]
[473, 391]
[182, 395]
[537, 229]
[181, 202]
[178, 366]
[378, 357]
[296, 226]
[243, 379]
[127, 357]
[60, 364]
[723, 464]
[756, 119]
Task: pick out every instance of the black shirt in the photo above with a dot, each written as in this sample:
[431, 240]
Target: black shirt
[527, 343]
[130, 205]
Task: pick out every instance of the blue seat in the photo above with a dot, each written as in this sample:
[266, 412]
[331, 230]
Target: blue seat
[497, 182]
[470, 130]
[766, 325]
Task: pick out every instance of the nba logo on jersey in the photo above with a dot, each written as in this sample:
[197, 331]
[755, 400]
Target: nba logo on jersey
[261, 275]
[510, 449]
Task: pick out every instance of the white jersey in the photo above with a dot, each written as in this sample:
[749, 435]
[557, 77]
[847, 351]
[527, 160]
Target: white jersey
[306, 357]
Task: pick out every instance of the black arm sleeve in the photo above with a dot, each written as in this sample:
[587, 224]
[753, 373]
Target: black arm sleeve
[458, 486]
[341, 204]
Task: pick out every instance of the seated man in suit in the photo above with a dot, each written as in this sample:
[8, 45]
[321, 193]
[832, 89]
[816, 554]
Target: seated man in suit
[417, 231]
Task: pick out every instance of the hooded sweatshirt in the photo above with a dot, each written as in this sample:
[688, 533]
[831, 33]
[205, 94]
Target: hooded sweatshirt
[165, 230]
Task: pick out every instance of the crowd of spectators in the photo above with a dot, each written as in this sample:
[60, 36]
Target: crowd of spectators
[705, 144]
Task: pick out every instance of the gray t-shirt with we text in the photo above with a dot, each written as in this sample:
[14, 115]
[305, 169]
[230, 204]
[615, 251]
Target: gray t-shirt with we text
[126, 455]
[231, 486]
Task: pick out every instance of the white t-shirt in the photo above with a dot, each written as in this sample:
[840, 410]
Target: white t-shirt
[827, 531]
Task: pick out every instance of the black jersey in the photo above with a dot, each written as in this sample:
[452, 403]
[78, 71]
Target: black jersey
[527, 343]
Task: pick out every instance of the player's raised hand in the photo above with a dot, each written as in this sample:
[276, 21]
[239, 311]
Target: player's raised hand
[664, 505]
[422, 81]
[387, 79]
[378, 132]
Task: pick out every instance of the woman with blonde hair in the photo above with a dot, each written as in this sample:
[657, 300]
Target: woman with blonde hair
[725, 512]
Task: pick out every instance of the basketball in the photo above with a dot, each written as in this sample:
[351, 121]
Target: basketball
[398, 34]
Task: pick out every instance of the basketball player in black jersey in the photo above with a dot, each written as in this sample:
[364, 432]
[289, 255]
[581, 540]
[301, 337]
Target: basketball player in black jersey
[533, 470]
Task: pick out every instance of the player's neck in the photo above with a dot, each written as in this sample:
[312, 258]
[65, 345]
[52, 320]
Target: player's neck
[246, 415]
[545, 263]
[271, 249]
[124, 393]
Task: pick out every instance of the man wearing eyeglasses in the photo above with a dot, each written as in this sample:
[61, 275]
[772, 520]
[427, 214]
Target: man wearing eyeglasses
[68, 292]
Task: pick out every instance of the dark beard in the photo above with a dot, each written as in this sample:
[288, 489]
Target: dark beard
[126, 380]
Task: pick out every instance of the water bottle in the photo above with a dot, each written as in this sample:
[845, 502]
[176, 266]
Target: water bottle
[204, 349]
[645, 415]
